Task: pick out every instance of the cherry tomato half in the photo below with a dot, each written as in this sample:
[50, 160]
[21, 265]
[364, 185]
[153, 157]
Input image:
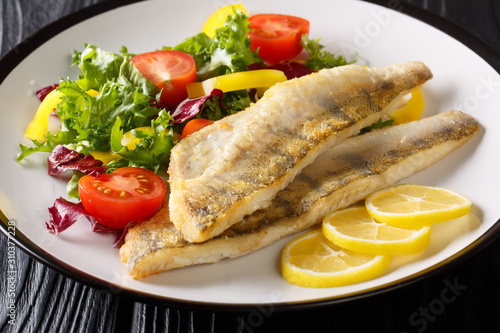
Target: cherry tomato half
[169, 70]
[195, 125]
[277, 36]
[127, 194]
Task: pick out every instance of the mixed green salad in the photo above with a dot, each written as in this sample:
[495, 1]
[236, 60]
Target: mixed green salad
[129, 110]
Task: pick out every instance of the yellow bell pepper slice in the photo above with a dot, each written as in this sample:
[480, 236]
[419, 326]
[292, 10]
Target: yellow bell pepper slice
[130, 141]
[218, 18]
[92, 92]
[411, 111]
[105, 156]
[38, 127]
[261, 78]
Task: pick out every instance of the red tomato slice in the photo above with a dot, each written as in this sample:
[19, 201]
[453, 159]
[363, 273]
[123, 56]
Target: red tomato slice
[195, 125]
[169, 70]
[127, 194]
[277, 36]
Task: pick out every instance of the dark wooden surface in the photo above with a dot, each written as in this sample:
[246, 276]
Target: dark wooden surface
[50, 302]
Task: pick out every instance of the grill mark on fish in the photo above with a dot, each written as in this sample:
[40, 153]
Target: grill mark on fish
[338, 178]
[303, 117]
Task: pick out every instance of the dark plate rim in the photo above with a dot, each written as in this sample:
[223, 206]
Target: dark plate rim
[21, 51]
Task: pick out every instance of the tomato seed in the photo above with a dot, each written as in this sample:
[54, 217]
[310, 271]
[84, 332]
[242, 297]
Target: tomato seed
[142, 190]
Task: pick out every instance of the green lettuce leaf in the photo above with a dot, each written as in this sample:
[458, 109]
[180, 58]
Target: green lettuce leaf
[320, 58]
[232, 102]
[152, 152]
[91, 117]
[86, 121]
[99, 67]
[228, 52]
[72, 186]
[377, 125]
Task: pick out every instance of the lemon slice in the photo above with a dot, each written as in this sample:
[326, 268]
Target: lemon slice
[411, 111]
[415, 206]
[218, 18]
[354, 229]
[313, 261]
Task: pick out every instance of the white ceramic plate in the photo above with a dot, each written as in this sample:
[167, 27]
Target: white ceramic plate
[381, 36]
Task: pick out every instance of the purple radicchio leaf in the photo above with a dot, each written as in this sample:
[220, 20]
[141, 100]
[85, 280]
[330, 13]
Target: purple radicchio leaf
[63, 214]
[190, 107]
[291, 69]
[42, 93]
[62, 159]
[120, 235]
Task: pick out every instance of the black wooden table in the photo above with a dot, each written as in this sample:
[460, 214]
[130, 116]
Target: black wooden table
[47, 301]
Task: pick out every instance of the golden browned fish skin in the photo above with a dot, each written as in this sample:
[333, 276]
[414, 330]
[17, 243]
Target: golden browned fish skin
[236, 166]
[341, 176]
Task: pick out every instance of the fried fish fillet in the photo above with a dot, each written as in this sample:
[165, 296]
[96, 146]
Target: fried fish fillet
[339, 177]
[237, 165]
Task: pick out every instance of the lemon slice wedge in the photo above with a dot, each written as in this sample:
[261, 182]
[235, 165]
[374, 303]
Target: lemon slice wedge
[311, 260]
[354, 229]
[415, 206]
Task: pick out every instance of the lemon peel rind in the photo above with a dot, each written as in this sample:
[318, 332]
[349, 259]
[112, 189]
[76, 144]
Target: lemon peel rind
[300, 278]
[421, 220]
[417, 220]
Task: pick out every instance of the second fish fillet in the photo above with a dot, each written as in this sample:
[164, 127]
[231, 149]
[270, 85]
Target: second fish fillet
[338, 178]
[237, 165]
